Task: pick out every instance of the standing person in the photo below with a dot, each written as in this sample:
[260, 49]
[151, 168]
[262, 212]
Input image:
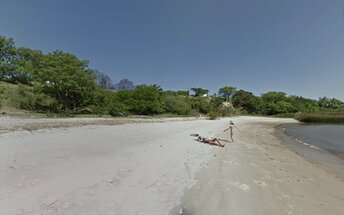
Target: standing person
[231, 129]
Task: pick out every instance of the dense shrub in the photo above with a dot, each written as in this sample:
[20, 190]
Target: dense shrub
[200, 104]
[177, 105]
[118, 109]
[276, 103]
[101, 101]
[247, 101]
[28, 98]
[145, 100]
[214, 115]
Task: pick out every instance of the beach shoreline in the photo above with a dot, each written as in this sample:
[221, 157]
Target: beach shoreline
[263, 175]
[158, 168]
[326, 159]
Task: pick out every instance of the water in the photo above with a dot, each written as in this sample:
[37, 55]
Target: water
[321, 144]
[328, 137]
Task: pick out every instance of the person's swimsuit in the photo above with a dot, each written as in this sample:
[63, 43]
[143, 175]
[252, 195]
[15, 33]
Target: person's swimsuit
[203, 139]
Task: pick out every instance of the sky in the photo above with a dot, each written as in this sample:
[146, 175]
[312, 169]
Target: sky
[294, 46]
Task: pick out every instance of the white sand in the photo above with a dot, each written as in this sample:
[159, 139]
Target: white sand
[144, 168]
[123, 169]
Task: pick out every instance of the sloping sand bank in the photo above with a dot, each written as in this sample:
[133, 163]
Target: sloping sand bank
[259, 175]
[157, 168]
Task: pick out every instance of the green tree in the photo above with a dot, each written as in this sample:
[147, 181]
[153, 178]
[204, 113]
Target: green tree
[336, 103]
[201, 105]
[246, 100]
[7, 57]
[66, 78]
[146, 100]
[227, 92]
[26, 62]
[199, 91]
[276, 103]
[183, 92]
[304, 105]
[333, 103]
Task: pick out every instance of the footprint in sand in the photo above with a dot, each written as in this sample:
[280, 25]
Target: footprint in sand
[291, 209]
[232, 162]
[260, 183]
[240, 186]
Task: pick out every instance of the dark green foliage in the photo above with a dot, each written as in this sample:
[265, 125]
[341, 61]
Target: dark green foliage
[200, 104]
[146, 100]
[177, 105]
[26, 63]
[102, 100]
[7, 57]
[333, 103]
[276, 103]
[67, 79]
[118, 109]
[303, 105]
[227, 92]
[199, 91]
[17, 64]
[216, 102]
[247, 101]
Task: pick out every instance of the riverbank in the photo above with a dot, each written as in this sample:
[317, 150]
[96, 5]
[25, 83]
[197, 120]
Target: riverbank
[157, 168]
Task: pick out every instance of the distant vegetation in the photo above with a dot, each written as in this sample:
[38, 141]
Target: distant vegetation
[326, 117]
[61, 83]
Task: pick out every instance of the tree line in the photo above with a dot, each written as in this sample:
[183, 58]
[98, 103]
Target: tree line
[60, 82]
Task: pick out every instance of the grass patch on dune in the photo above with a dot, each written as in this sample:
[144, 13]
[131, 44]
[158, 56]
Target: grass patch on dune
[7, 91]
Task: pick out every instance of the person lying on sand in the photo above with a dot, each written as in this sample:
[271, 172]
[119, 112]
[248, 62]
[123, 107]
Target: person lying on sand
[212, 141]
[231, 129]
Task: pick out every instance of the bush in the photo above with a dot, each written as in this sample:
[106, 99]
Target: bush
[177, 105]
[247, 101]
[118, 109]
[214, 115]
[146, 100]
[28, 98]
[101, 101]
[200, 104]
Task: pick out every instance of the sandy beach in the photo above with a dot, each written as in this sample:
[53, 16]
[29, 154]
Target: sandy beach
[104, 166]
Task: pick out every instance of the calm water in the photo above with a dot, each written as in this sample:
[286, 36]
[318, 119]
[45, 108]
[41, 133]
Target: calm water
[328, 137]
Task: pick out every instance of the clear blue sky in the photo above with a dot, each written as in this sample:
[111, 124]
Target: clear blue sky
[295, 46]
